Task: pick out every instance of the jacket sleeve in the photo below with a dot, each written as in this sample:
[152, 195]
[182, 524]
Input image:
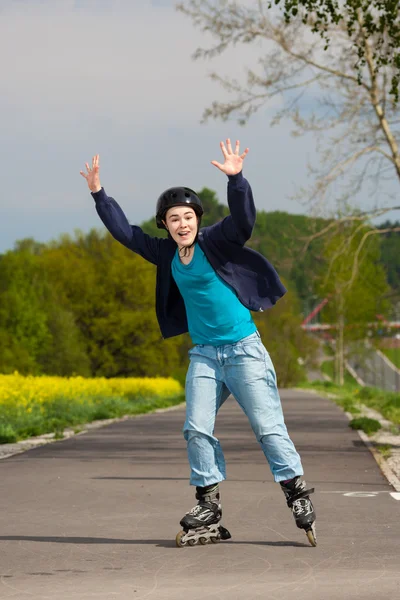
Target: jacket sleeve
[131, 236]
[238, 226]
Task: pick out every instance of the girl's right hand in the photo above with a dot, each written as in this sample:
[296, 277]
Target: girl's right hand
[92, 175]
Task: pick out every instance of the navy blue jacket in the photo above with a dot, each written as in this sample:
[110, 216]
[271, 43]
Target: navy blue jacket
[252, 277]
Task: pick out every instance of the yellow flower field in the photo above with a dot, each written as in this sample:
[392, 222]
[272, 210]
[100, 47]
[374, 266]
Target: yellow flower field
[32, 405]
[25, 391]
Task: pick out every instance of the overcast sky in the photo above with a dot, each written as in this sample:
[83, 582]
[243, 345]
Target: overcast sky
[116, 77]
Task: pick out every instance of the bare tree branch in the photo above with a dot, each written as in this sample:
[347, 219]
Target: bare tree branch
[361, 120]
[336, 223]
[360, 246]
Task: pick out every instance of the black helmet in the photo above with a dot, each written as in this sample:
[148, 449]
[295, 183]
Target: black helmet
[177, 196]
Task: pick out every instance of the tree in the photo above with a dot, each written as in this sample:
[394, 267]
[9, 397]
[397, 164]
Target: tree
[23, 319]
[65, 353]
[356, 125]
[111, 293]
[363, 231]
[355, 284]
[37, 335]
[390, 253]
[376, 20]
[292, 350]
[213, 210]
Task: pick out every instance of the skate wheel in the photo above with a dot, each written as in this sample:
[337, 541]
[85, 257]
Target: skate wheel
[192, 542]
[214, 540]
[203, 541]
[178, 539]
[312, 536]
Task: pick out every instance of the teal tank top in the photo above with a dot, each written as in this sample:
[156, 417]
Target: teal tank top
[215, 314]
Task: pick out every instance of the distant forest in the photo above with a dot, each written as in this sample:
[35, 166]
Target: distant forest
[84, 304]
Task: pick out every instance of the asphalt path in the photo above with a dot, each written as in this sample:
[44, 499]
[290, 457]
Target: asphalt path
[95, 516]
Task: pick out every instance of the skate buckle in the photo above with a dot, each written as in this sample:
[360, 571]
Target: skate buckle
[298, 495]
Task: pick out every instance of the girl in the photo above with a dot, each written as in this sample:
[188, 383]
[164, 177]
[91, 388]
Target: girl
[207, 284]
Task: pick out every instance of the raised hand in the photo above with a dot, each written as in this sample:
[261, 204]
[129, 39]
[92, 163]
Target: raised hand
[92, 175]
[233, 160]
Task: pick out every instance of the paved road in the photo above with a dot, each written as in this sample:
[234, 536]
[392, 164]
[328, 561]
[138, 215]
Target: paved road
[95, 516]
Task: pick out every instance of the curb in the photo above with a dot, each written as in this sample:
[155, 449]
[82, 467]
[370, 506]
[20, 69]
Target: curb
[381, 462]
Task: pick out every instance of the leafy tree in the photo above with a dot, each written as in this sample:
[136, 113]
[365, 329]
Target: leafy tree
[13, 355]
[23, 320]
[280, 237]
[85, 305]
[213, 210]
[355, 125]
[292, 350]
[376, 20]
[37, 334]
[65, 353]
[390, 253]
[356, 295]
[111, 293]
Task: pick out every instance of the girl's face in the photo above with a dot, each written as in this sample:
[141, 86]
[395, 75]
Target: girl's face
[181, 222]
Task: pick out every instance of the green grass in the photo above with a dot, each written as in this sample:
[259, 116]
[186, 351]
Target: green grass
[7, 434]
[61, 414]
[385, 450]
[386, 403]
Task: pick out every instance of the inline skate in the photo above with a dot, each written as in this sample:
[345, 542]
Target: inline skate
[297, 498]
[201, 525]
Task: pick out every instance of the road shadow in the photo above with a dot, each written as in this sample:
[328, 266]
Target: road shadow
[235, 480]
[118, 541]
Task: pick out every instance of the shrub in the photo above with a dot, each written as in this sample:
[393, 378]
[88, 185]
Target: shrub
[369, 426]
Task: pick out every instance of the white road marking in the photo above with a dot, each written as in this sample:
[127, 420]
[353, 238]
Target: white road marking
[354, 492]
[364, 494]
[361, 494]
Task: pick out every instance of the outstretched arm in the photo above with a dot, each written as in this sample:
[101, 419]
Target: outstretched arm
[115, 220]
[239, 225]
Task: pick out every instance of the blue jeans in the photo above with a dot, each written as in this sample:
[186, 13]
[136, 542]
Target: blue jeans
[245, 370]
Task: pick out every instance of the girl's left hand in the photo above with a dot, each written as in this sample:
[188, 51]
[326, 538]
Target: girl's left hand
[233, 161]
[92, 176]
